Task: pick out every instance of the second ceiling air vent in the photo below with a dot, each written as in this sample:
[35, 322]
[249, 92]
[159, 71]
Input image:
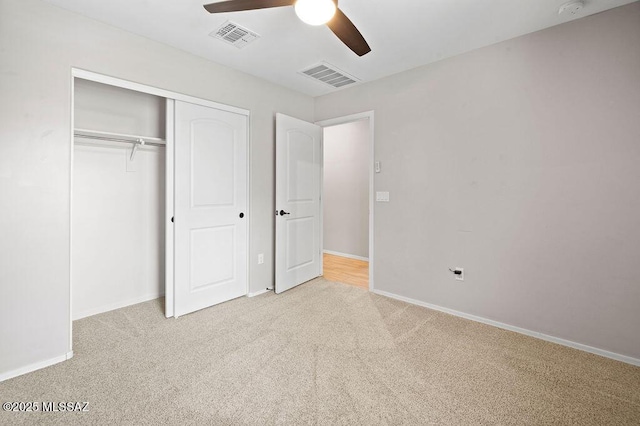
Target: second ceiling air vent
[234, 34]
[329, 74]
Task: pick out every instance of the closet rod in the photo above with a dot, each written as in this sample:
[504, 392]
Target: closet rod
[109, 139]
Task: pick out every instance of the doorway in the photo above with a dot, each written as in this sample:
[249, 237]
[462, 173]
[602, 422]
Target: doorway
[299, 200]
[347, 201]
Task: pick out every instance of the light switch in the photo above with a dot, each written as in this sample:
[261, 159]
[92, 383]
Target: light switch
[378, 167]
[382, 197]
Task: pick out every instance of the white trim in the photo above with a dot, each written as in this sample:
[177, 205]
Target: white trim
[247, 213]
[258, 293]
[536, 334]
[321, 203]
[372, 176]
[35, 366]
[71, 163]
[349, 119]
[117, 305]
[169, 213]
[125, 84]
[345, 119]
[348, 256]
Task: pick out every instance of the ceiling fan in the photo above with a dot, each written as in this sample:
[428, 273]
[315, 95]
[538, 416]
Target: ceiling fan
[312, 12]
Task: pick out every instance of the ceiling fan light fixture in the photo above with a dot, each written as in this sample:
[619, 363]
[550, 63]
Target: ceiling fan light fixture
[315, 12]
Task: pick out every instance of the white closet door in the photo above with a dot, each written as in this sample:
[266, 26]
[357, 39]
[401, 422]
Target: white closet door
[298, 160]
[210, 207]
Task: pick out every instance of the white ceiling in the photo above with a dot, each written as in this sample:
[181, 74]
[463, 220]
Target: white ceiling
[403, 34]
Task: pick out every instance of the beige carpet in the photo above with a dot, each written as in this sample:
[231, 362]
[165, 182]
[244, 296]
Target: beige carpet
[322, 353]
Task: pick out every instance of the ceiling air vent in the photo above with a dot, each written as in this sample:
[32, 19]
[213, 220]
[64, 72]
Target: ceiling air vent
[328, 74]
[234, 34]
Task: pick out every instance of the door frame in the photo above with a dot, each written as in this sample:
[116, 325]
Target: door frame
[371, 158]
[170, 97]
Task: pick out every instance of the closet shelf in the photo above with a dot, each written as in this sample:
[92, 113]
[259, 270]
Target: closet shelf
[118, 137]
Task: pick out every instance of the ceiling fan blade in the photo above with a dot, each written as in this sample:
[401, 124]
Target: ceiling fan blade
[348, 33]
[239, 5]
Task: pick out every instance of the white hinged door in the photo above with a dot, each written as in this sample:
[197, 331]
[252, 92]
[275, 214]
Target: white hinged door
[298, 161]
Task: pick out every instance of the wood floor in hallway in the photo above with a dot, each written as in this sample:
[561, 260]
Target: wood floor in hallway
[346, 270]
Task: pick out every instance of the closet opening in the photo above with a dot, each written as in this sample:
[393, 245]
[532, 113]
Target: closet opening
[118, 197]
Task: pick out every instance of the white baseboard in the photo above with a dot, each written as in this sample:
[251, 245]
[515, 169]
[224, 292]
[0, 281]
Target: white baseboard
[117, 305]
[350, 256]
[258, 293]
[538, 335]
[35, 366]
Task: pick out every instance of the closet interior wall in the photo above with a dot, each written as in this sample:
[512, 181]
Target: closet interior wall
[118, 203]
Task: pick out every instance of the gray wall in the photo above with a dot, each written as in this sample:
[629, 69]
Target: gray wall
[346, 188]
[520, 163]
[39, 44]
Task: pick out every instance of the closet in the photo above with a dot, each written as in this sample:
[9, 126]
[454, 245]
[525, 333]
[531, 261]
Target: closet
[153, 170]
[118, 221]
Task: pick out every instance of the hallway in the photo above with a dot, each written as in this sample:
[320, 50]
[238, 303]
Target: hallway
[347, 271]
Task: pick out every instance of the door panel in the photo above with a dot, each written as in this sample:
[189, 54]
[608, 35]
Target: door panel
[301, 174]
[210, 194]
[298, 160]
[212, 260]
[212, 141]
[299, 231]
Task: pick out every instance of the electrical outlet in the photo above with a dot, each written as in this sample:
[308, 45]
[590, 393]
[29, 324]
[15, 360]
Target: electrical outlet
[260, 259]
[459, 276]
